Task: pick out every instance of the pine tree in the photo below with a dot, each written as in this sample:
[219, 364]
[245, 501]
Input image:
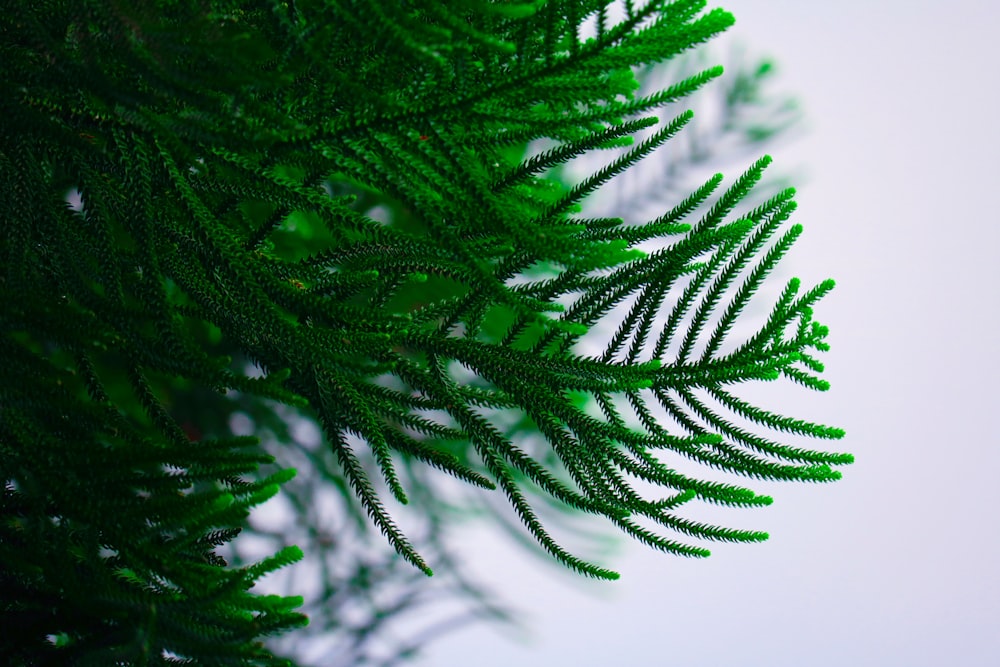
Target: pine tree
[190, 226]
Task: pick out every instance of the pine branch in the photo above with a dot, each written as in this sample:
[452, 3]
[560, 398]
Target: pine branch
[218, 209]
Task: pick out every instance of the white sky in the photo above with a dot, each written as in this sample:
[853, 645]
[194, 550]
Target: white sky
[892, 565]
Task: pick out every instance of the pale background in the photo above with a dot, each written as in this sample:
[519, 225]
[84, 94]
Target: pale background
[896, 565]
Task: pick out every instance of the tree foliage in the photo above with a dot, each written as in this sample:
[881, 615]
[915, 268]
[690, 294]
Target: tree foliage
[188, 218]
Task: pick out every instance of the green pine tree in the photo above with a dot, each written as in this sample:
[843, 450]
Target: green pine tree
[192, 230]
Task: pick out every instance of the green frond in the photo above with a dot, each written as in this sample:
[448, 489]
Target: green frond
[213, 210]
[660, 543]
[771, 421]
[441, 460]
[566, 152]
[341, 398]
[283, 558]
[622, 163]
[778, 422]
[534, 526]
[358, 480]
[766, 223]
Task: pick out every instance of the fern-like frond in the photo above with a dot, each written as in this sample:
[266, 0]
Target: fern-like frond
[340, 207]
